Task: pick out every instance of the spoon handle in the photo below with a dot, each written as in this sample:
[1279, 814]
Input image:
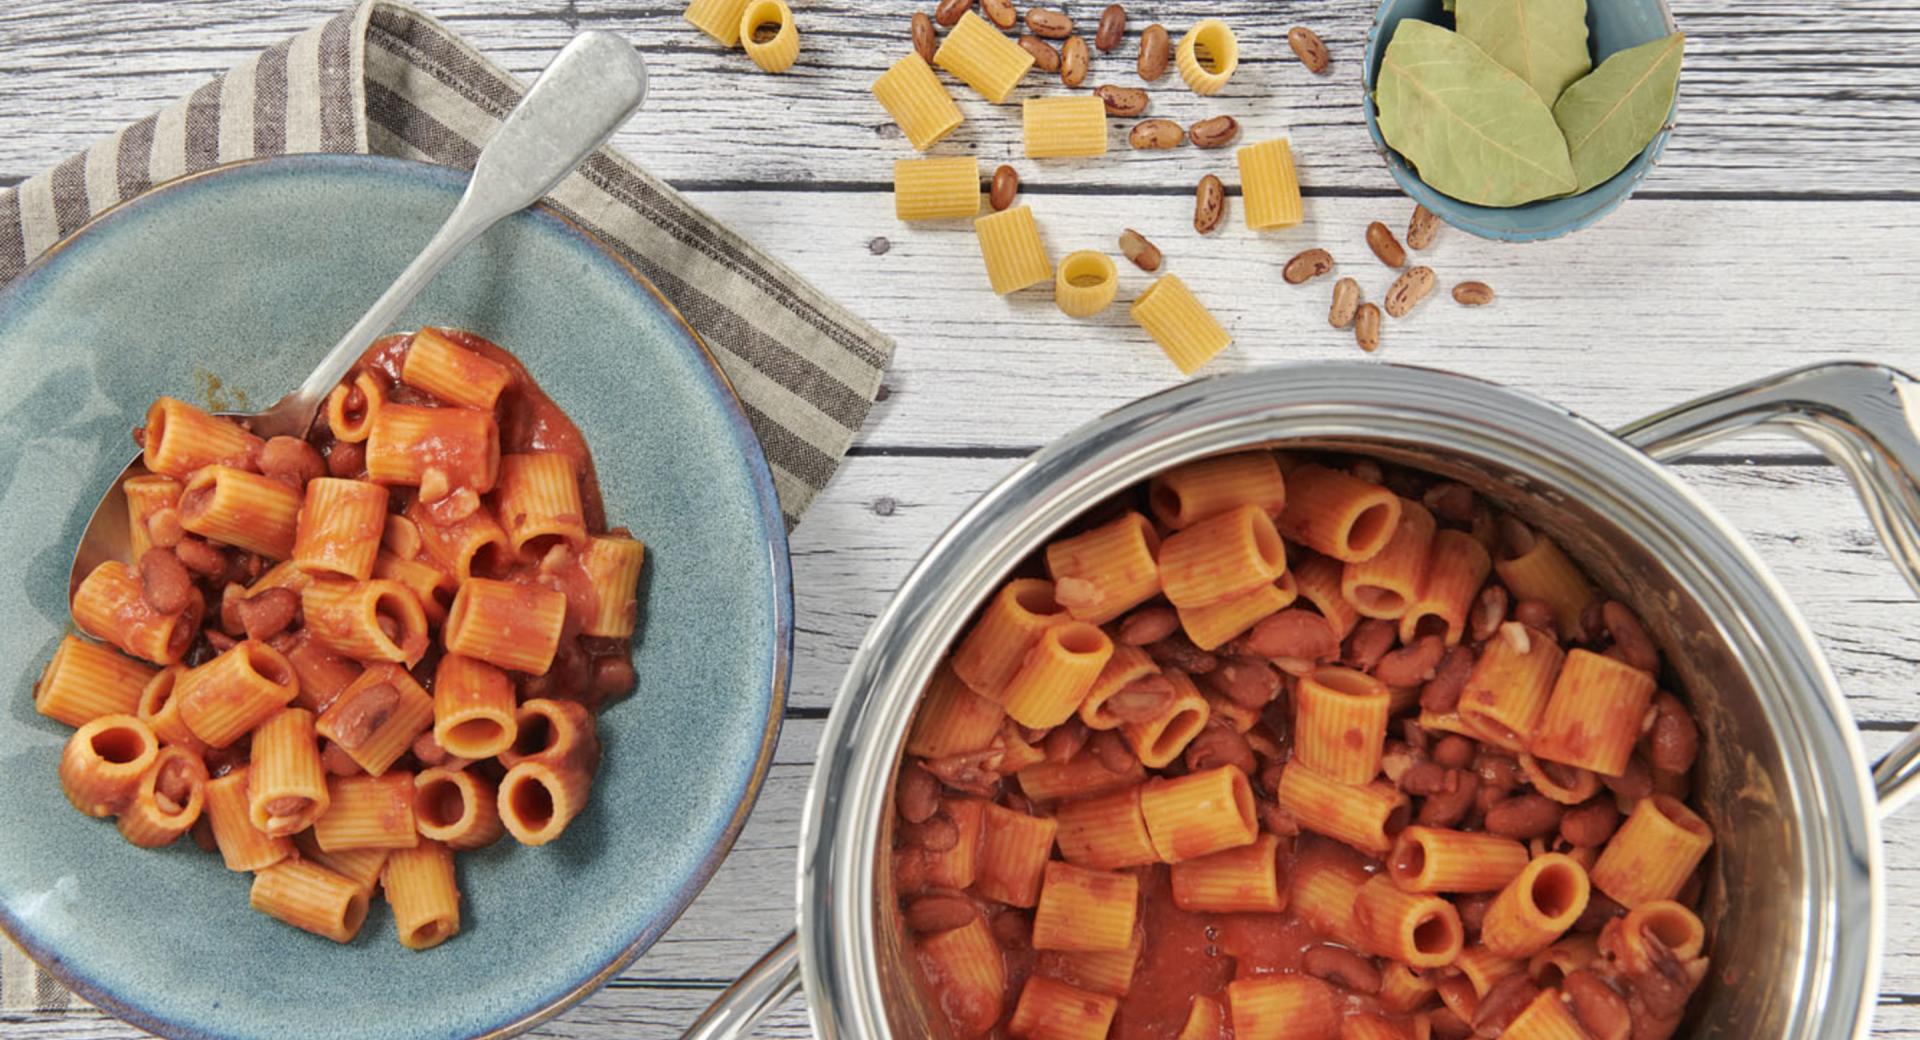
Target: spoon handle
[592, 86]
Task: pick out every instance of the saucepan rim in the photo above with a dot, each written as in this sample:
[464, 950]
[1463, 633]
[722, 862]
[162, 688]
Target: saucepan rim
[1836, 974]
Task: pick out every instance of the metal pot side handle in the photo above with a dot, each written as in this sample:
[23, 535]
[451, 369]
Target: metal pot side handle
[765, 986]
[1866, 419]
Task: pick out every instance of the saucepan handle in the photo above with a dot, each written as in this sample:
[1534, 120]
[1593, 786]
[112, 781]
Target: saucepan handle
[764, 987]
[1866, 419]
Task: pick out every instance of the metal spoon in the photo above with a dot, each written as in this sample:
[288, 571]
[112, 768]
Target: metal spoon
[592, 86]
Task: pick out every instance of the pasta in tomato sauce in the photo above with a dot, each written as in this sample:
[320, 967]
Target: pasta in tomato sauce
[1430, 795]
[428, 575]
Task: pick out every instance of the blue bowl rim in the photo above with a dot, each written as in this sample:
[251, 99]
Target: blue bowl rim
[771, 521]
[1609, 194]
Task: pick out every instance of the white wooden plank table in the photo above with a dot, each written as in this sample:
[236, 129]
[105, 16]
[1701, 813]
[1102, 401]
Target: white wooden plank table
[1783, 227]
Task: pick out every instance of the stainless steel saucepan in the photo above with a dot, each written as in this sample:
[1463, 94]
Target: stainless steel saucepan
[1795, 900]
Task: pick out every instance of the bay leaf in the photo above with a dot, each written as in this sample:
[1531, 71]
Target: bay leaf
[1473, 128]
[1611, 114]
[1545, 41]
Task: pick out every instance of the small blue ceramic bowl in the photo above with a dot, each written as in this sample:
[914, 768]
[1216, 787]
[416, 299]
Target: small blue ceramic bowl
[1612, 25]
[224, 288]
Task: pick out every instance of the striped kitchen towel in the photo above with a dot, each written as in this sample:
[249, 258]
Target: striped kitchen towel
[387, 79]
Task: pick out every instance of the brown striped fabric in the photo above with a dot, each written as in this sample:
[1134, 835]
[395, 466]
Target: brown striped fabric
[386, 79]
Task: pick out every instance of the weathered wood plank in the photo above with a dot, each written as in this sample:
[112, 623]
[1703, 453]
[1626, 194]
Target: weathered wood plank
[1663, 301]
[1776, 97]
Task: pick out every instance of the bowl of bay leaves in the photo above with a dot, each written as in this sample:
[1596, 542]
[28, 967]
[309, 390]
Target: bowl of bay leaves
[1521, 120]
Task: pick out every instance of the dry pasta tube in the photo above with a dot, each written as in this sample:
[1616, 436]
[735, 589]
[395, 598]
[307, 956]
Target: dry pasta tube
[1318, 579]
[1128, 664]
[912, 94]
[101, 766]
[506, 624]
[1221, 557]
[246, 510]
[1200, 813]
[456, 807]
[537, 800]
[1215, 624]
[1104, 572]
[943, 188]
[1323, 890]
[1508, 688]
[1340, 723]
[1456, 569]
[997, 644]
[243, 846]
[1280, 1007]
[1105, 832]
[777, 52]
[1013, 852]
[1080, 777]
[1385, 585]
[1232, 880]
[453, 373]
[1269, 185]
[1085, 283]
[1158, 741]
[1534, 567]
[287, 787]
[719, 19]
[1366, 816]
[311, 898]
[1048, 1007]
[1207, 56]
[1011, 247]
[1546, 1017]
[974, 974]
[1437, 859]
[368, 812]
[110, 604]
[473, 708]
[160, 812]
[1081, 909]
[1537, 907]
[146, 495]
[420, 887]
[1179, 323]
[952, 719]
[1064, 127]
[179, 438]
[1337, 514]
[1592, 719]
[958, 866]
[1422, 931]
[224, 699]
[983, 57]
[86, 680]
[1653, 853]
[1185, 495]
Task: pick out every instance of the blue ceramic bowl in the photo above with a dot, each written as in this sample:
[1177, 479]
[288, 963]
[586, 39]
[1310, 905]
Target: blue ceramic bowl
[224, 288]
[1612, 25]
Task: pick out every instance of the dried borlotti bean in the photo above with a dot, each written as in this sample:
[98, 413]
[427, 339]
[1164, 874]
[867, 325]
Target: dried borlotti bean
[1410, 288]
[1385, 246]
[1154, 134]
[1045, 57]
[1366, 327]
[1346, 301]
[1006, 184]
[1051, 25]
[1422, 227]
[1209, 204]
[1000, 12]
[1473, 294]
[1144, 254]
[1155, 48]
[1122, 101]
[949, 11]
[1216, 132]
[1113, 25]
[1308, 48]
[1073, 61]
[923, 36]
[1306, 266]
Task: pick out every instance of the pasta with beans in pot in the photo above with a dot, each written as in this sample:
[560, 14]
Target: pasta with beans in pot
[339, 660]
[1290, 749]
